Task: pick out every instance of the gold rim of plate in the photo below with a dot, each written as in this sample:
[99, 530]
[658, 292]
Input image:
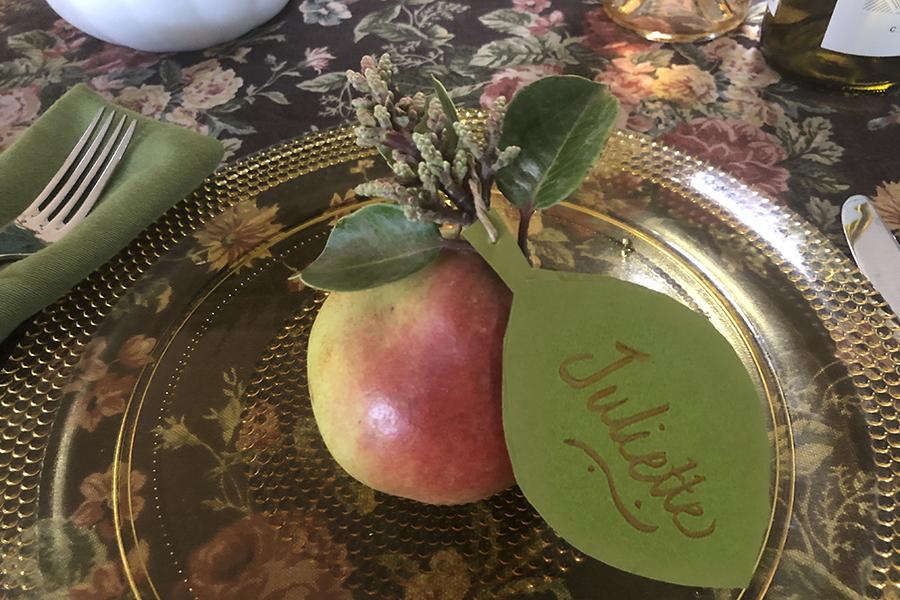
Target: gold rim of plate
[858, 321]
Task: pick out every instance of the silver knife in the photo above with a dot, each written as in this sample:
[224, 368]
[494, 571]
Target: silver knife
[874, 247]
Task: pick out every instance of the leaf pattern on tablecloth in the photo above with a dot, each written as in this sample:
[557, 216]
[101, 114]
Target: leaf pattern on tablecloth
[264, 86]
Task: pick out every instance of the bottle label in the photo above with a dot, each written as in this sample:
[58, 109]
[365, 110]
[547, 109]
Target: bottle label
[864, 28]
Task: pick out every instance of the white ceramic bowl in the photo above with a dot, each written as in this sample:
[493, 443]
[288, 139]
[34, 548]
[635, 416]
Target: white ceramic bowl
[166, 25]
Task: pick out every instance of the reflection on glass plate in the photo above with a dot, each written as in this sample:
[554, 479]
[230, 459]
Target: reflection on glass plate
[183, 462]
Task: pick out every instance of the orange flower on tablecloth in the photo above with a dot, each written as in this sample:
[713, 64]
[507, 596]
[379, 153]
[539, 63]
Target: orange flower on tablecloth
[887, 202]
[686, 85]
[249, 559]
[96, 509]
[234, 233]
[135, 352]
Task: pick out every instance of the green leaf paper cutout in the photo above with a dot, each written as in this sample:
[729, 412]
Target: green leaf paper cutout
[632, 425]
[375, 245]
[561, 123]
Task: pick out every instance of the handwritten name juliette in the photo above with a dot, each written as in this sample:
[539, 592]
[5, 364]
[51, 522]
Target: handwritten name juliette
[670, 483]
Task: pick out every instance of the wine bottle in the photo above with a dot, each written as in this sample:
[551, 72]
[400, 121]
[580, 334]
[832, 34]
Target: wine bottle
[853, 45]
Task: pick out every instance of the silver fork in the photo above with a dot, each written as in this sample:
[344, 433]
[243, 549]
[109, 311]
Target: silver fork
[63, 204]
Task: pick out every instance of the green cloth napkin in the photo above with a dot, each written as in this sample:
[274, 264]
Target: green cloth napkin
[163, 164]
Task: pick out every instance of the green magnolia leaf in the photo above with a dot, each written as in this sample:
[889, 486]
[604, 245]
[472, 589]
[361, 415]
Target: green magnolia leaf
[561, 123]
[632, 425]
[373, 246]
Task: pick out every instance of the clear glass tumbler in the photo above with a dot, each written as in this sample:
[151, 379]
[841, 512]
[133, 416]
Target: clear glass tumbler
[678, 20]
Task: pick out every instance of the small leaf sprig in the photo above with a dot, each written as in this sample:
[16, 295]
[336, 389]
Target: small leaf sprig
[443, 169]
[538, 152]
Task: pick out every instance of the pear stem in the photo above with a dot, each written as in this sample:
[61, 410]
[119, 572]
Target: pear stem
[525, 215]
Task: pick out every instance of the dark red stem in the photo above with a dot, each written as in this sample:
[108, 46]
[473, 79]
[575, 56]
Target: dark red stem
[525, 215]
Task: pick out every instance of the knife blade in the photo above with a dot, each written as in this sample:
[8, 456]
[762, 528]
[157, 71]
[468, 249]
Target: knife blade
[874, 247]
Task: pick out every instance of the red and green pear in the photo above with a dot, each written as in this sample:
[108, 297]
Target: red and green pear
[405, 381]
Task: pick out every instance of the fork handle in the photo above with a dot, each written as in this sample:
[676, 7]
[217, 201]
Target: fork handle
[13, 256]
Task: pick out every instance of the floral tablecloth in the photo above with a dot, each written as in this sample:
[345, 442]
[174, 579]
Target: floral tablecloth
[806, 148]
[720, 101]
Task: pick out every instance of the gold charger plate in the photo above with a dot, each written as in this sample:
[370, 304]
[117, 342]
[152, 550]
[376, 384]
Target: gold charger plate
[156, 439]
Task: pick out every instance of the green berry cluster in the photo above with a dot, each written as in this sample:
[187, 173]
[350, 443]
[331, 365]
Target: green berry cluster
[443, 167]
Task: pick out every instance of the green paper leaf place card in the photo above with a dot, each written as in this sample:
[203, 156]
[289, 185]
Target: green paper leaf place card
[632, 425]
[627, 420]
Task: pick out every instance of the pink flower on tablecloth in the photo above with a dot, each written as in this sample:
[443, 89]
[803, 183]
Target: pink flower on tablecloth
[135, 352]
[19, 105]
[533, 6]
[543, 25]
[148, 100]
[207, 85]
[111, 58]
[509, 81]
[186, 118]
[66, 37]
[628, 81]
[744, 67]
[106, 85]
[740, 148]
[608, 39]
[887, 202]
[318, 59]
[686, 85]
[96, 508]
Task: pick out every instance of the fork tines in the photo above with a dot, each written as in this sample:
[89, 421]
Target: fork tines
[86, 170]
